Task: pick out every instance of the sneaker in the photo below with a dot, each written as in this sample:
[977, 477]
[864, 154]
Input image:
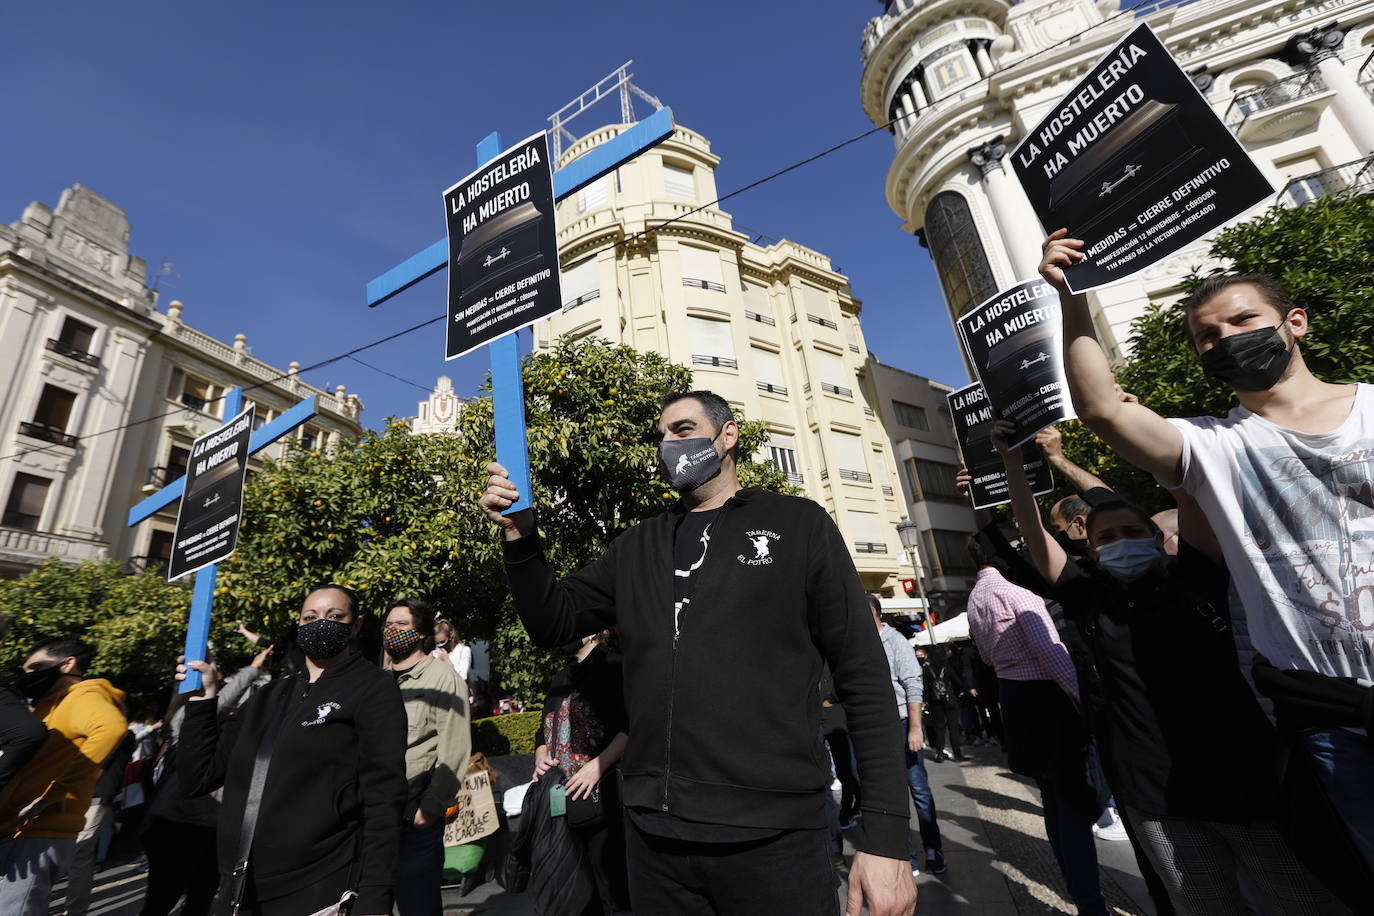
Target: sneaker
[1113, 832]
[935, 862]
[915, 870]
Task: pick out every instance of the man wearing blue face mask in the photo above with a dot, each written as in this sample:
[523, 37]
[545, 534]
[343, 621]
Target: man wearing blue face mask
[1189, 754]
[732, 593]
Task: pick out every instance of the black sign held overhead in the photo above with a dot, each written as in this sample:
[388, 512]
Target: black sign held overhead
[212, 505]
[973, 416]
[1014, 342]
[502, 247]
[1134, 161]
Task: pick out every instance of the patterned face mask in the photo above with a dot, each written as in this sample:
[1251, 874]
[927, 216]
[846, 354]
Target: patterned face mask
[399, 642]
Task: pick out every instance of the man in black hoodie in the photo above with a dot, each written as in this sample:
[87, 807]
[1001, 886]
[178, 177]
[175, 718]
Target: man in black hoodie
[731, 593]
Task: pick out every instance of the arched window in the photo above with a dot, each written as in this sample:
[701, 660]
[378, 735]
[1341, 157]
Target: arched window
[958, 253]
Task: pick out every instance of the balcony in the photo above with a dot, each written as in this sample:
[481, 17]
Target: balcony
[869, 547]
[860, 476]
[719, 362]
[1366, 76]
[65, 349]
[30, 548]
[836, 389]
[763, 319]
[794, 477]
[887, 491]
[1281, 107]
[823, 322]
[193, 402]
[703, 284]
[47, 434]
[580, 300]
[771, 388]
[1352, 178]
[159, 477]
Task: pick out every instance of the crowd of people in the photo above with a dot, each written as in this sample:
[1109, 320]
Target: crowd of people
[1197, 682]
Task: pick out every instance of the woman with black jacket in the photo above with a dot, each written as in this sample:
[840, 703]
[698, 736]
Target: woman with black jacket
[942, 687]
[334, 738]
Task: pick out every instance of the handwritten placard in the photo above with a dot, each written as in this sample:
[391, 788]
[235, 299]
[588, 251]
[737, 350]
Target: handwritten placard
[476, 816]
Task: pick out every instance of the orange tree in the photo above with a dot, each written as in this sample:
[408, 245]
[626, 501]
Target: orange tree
[397, 515]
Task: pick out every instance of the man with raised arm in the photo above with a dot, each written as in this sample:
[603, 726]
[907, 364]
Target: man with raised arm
[1284, 480]
[732, 593]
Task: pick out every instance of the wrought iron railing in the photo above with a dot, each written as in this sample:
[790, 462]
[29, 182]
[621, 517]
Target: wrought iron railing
[837, 389]
[869, 547]
[162, 475]
[703, 284]
[794, 476]
[585, 297]
[71, 352]
[47, 433]
[723, 362]
[861, 476]
[887, 491]
[823, 322]
[755, 316]
[1351, 178]
[771, 388]
[1271, 95]
[1366, 76]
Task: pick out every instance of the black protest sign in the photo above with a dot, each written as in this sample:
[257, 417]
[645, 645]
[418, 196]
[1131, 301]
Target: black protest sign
[1134, 161]
[211, 506]
[502, 247]
[1014, 341]
[973, 415]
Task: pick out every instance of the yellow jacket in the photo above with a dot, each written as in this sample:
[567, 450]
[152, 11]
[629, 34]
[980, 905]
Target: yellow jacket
[85, 724]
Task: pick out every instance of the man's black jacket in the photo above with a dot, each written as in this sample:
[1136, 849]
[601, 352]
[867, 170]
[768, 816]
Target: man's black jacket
[724, 713]
[335, 786]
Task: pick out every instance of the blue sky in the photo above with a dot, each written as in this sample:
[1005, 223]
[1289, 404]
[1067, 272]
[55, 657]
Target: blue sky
[280, 155]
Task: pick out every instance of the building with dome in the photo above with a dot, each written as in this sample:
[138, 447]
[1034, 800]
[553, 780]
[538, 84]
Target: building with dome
[961, 81]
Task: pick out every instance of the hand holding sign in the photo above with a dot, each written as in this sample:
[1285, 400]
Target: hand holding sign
[499, 496]
[1060, 253]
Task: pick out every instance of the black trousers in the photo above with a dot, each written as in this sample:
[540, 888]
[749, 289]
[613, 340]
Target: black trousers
[181, 860]
[942, 718]
[790, 873]
[419, 865]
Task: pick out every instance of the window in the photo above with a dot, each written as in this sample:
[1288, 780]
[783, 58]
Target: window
[947, 552]
[77, 334]
[867, 531]
[768, 371]
[678, 181]
[1302, 176]
[160, 545]
[835, 378]
[262, 415]
[849, 456]
[581, 283]
[756, 304]
[25, 505]
[594, 195]
[194, 393]
[782, 451]
[851, 334]
[54, 408]
[958, 253]
[932, 480]
[820, 453]
[711, 342]
[701, 268]
[310, 438]
[911, 415]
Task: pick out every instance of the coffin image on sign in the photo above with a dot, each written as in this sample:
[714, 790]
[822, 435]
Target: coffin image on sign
[1130, 161]
[497, 251]
[214, 493]
[1022, 363]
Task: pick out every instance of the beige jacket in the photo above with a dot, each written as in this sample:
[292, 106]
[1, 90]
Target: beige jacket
[439, 739]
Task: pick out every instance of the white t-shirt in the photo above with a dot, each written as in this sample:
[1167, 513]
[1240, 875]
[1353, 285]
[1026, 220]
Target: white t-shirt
[1294, 513]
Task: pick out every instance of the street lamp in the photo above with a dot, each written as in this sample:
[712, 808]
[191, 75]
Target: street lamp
[910, 535]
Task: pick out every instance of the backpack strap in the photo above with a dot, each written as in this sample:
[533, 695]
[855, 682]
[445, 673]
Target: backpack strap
[252, 806]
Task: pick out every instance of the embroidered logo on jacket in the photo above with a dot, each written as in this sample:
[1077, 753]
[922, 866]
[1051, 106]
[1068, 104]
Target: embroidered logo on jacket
[759, 543]
[321, 713]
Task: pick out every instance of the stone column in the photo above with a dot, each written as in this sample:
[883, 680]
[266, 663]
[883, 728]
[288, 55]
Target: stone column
[1318, 48]
[1021, 232]
[979, 47]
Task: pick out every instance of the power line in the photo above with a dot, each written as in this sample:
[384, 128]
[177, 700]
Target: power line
[427, 389]
[350, 354]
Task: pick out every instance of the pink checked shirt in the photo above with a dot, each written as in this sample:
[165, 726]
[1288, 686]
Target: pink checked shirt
[1015, 634]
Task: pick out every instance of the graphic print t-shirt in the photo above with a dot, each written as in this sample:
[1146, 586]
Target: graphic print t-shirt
[1294, 513]
[690, 545]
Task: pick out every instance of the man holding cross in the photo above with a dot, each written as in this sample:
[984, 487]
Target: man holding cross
[732, 593]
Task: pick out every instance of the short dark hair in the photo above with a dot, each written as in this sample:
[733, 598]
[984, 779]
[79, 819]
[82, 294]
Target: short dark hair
[717, 409]
[875, 604]
[422, 616]
[1071, 507]
[976, 552]
[1118, 504]
[64, 647]
[348, 592]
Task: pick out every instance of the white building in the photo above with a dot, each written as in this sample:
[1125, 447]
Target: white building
[965, 79]
[773, 329]
[84, 356]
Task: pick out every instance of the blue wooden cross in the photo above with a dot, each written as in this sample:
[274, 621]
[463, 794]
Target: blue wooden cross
[507, 389]
[203, 596]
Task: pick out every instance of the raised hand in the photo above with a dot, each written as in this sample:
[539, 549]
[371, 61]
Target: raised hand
[1060, 252]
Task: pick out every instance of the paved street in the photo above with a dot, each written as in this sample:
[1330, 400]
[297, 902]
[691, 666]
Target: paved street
[999, 861]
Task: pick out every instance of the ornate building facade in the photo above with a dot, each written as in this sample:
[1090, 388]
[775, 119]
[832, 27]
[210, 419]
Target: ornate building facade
[963, 80]
[773, 328]
[102, 394]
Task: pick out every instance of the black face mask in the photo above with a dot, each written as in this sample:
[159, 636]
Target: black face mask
[323, 639]
[34, 685]
[689, 462]
[1250, 360]
[1071, 547]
